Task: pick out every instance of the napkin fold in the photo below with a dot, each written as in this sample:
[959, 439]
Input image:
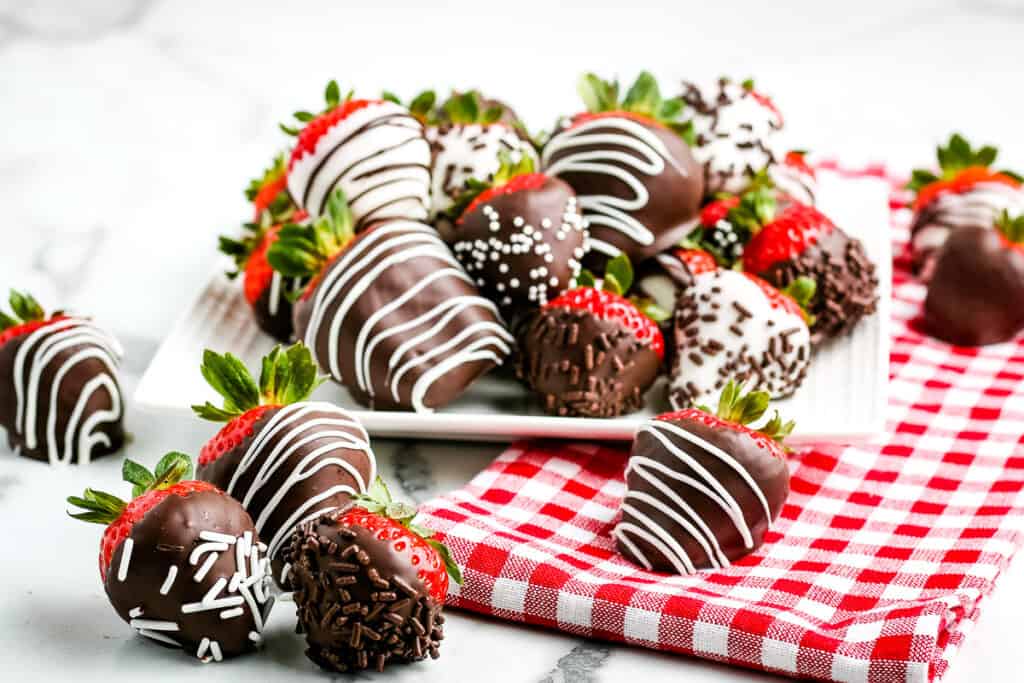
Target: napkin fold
[873, 573]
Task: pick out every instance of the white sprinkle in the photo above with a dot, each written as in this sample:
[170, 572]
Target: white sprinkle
[232, 613]
[154, 625]
[514, 282]
[205, 569]
[217, 537]
[255, 637]
[518, 221]
[172, 573]
[545, 223]
[204, 645]
[215, 649]
[135, 612]
[159, 637]
[126, 558]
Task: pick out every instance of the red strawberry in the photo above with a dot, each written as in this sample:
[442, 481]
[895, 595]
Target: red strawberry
[611, 306]
[370, 585]
[288, 376]
[269, 193]
[175, 526]
[519, 183]
[976, 294]
[961, 169]
[592, 352]
[28, 316]
[800, 241]
[676, 458]
[797, 160]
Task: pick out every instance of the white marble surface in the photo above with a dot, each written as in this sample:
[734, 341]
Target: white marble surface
[131, 126]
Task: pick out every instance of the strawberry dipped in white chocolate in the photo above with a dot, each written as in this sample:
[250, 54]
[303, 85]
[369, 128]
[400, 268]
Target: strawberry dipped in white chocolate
[731, 324]
[372, 150]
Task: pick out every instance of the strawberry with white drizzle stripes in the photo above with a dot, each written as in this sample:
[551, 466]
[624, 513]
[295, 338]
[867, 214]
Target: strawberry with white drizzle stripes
[703, 488]
[591, 352]
[181, 562]
[287, 459]
[731, 324]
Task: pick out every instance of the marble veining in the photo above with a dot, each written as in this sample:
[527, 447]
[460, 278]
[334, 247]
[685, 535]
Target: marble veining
[581, 664]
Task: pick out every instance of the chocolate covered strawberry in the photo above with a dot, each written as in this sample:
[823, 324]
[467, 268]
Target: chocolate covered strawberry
[591, 352]
[390, 313]
[370, 585]
[966, 192]
[372, 150]
[794, 241]
[703, 488]
[466, 139]
[181, 562]
[735, 325]
[976, 295]
[60, 395]
[520, 236]
[629, 161]
[287, 459]
[735, 127]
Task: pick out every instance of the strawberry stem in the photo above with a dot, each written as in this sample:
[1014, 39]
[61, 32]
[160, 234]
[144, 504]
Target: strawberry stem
[745, 409]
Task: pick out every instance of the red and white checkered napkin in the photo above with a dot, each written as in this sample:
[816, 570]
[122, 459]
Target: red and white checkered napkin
[873, 573]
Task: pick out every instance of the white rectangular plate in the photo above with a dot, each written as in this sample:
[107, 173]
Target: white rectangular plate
[842, 400]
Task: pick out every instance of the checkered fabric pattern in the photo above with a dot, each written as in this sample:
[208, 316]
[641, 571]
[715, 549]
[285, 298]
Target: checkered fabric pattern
[874, 571]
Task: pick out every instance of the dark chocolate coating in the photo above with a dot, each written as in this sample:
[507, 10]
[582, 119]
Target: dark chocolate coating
[378, 268]
[278, 325]
[584, 366]
[768, 471]
[674, 195]
[166, 537]
[542, 228]
[662, 279]
[359, 602]
[976, 294]
[75, 381]
[847, 284]
[285, 474]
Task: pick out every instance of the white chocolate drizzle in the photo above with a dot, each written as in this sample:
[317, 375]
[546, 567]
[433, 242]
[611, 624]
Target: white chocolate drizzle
[387, 246]
[61, 346]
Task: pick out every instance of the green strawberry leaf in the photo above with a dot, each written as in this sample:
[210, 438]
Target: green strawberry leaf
[171, 469]
[332, 94]
[449, 562]
[229, 377]
[620, 271]
[25, 306]
[1011, 228]
[586, 279]
[644, 97]
[137, 475]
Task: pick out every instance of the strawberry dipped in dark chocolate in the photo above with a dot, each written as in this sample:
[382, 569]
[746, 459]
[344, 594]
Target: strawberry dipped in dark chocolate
[520, 236]
[286, 458]
[591, 352]
[389, 313]
[181, 561]
[703, 488]
[791, 241]
[265, 290]
[976, 294]
[60, 395]
[370, 585]
[965, 192]
[630, 163]
[734, 325]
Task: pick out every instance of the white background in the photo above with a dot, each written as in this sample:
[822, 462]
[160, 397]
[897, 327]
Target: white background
[129, 129]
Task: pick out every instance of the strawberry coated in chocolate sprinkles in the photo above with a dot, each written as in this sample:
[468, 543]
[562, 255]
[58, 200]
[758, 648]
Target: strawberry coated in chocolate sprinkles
[353, 603]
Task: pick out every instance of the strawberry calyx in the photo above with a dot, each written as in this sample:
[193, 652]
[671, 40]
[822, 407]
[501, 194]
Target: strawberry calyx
[1011, 230]
[269, 193]
[304, 251]
[961, 167]
[643, 102]
[26, 316]
[288, 376]
[738, 411]
[794, 298]
[378, 501]
[617, 282]
[421, 107]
